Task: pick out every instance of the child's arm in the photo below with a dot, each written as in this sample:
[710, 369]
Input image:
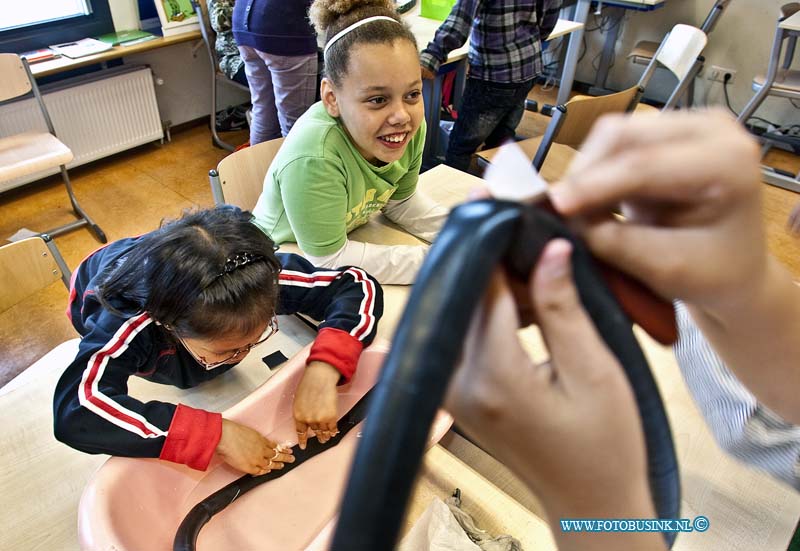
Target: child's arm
[94, 413]
[452, 34]
[741, 425]
[419, 215]
[348, 301]
[390, 264]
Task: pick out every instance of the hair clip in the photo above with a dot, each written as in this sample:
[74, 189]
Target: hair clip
[235, 262]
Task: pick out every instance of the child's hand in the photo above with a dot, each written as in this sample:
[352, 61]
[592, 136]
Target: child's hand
[315, 403]
[246, 450]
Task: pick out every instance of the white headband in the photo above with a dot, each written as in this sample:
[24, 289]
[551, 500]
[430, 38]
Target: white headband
[354, 26]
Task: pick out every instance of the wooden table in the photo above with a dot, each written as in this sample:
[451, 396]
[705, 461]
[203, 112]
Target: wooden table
[64, 63]
[42, 480]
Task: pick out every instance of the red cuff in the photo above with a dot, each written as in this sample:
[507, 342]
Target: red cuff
[192, 437]
[337, 348]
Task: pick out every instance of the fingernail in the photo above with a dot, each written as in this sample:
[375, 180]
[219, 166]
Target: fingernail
[553, 264]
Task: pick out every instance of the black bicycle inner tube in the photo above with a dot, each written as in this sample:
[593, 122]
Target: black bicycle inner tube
[477, 237]
[200, 514]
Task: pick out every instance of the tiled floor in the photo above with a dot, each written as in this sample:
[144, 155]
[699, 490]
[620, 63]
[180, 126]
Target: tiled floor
[132, 192]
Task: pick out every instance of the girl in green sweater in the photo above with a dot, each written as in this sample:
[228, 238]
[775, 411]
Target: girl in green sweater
[358, 151]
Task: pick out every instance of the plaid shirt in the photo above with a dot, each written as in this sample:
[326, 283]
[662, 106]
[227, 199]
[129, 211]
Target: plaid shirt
[505, 37]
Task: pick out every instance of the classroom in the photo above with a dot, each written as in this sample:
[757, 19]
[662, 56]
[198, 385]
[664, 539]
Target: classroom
[556, 243]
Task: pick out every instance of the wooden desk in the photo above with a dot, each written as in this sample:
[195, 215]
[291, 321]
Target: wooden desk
[42, 480]
[63, 63]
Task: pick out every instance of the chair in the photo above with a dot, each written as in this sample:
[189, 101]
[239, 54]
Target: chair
[32, 152]
[571, 124]
[680, 53]
[239, 177]
[201, 9]
[781, 82]
[644, 50]
[28, 266]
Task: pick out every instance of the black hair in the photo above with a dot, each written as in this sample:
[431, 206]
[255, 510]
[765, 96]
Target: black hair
[331, 16]
[210, 273]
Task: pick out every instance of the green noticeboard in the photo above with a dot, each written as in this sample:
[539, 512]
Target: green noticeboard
[436, 9]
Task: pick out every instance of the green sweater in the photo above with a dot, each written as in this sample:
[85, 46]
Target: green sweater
[319, 187]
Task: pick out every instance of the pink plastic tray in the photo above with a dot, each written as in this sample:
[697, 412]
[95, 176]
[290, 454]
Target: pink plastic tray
[137, 504]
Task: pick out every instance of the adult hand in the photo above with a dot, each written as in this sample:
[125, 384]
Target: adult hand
[248, 451]
[315, 403]
[427, 74]
[569, 427]
[689, 189]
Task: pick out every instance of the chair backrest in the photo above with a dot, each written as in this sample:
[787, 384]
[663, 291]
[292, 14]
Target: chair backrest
[239, 177]
[28, 266]
[582, 112]
[572, 121]
[680, 49]
[15, 81]
[680, 53]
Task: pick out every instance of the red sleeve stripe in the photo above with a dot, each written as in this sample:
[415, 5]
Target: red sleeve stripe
[92, 399]
[301, 279]
[367, 307]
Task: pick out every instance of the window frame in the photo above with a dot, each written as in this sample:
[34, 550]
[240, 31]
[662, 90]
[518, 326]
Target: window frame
[34, 37]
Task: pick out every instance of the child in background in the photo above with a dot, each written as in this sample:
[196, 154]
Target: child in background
[279, 50]
[358, 151]
[183, 305]
[505, 57]
[231, 64]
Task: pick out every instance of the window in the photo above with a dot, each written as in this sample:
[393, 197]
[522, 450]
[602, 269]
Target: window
[45, 12]
[32, 24]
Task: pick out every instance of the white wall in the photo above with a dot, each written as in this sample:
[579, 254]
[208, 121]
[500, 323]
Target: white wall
[742, 40]
[183, 82]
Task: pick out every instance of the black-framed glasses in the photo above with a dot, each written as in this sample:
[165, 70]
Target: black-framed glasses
[271, 329]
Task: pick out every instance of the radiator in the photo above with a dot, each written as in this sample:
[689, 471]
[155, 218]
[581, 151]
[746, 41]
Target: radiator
[95, 115]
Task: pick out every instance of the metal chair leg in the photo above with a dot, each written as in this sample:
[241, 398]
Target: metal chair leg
[83, 218]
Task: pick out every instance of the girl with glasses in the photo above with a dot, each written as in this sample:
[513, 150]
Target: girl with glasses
[184, 304]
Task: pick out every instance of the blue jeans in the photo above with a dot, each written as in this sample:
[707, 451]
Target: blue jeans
[489, 113]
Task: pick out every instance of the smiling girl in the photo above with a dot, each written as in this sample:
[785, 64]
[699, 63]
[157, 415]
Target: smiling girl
[359, 150]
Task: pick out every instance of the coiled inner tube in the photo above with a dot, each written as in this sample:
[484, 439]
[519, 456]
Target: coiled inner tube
[200, 514]
[476, 238]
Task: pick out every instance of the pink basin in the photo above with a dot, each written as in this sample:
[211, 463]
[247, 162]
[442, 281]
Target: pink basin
[137, 504]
